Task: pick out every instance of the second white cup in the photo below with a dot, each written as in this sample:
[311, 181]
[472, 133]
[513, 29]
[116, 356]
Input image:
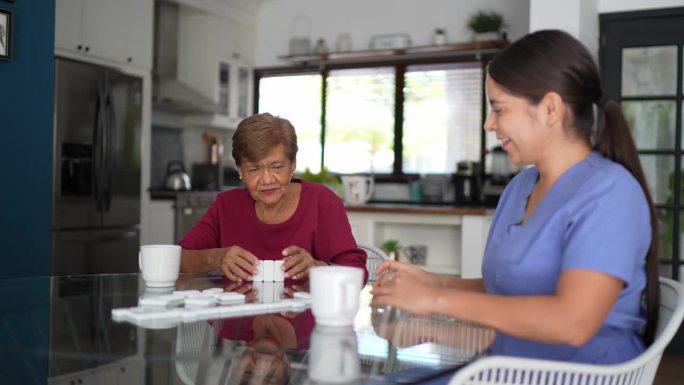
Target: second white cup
[335, 294]
[159, 264]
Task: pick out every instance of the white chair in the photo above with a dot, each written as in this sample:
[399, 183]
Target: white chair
[194, 344]
[195, 340]
[500, 370]
[375, 258]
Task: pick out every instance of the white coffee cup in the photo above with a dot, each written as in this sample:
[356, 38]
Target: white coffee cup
[159, 264]
[335, 294]
[333, 356]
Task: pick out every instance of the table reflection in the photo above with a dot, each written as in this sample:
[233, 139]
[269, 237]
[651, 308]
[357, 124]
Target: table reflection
[333, 355]
[64, 324]
[245, 350]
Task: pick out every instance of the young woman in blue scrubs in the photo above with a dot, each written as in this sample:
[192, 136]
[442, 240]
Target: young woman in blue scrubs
[570, 267]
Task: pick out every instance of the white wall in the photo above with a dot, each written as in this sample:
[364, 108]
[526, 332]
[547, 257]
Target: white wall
[577, 17]
[580, 17]
[418, 18]
[364, 19]
[546, 14]
[606, 6]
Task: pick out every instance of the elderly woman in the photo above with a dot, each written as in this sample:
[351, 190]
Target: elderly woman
[275, 217]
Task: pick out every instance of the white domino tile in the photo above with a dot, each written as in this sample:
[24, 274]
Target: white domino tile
[230, 298]
[278, 273]
[258, 289]
[259, 276]
[268, 271]
[213, 290]
[200, 301]
[267, 296]
[278, 291]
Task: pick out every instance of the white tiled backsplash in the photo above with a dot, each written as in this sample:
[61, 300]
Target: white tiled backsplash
[197, 151]
[186, 145]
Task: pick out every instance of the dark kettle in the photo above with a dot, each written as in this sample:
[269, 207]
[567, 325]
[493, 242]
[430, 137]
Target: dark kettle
[176, 177]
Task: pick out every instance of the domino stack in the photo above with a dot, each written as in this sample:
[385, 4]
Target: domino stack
[269, 271]
[269, 292]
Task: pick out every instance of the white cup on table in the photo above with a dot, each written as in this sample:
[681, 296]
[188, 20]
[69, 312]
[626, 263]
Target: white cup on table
[335, 294]
[159, 264]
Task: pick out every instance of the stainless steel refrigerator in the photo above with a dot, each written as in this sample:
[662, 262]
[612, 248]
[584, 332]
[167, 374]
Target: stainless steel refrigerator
[96, 169]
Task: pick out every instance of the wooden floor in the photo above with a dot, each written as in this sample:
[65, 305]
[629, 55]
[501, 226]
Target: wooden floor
[671, 370]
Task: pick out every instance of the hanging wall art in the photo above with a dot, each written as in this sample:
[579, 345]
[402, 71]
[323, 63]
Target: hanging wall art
[5, 34]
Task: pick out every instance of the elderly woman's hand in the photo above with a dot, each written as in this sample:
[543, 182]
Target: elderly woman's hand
[297, 262]
[236, 263]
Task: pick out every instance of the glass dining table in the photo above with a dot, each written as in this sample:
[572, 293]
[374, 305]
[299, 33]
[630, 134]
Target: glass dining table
[65, 330]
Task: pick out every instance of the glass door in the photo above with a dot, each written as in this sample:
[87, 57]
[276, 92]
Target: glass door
[641, 63]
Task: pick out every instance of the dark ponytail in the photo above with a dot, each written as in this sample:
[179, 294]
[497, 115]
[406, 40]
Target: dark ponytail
[552, 60]
[614, 141]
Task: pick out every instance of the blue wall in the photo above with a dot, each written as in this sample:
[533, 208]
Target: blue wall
[26, 103]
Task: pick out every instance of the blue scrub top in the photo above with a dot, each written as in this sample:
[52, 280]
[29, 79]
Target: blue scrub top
[595, 217]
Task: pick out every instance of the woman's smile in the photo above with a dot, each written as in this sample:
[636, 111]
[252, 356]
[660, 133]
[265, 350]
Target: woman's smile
[269, 191]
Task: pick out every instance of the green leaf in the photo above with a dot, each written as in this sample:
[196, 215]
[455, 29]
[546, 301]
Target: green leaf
[390, 245]
[484, 21]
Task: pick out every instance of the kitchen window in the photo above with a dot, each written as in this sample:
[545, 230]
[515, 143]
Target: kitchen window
[297, 97]
[359, 116]
[442, 116]
[386, 118]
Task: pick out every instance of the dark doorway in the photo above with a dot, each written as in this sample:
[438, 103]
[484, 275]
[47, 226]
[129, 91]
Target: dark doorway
[641, 64]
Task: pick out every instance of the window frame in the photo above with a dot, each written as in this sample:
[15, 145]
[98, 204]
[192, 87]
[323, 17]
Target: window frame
[400, 65]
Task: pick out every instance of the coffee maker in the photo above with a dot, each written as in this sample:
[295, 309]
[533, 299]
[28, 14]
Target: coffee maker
[499, 175]
[467, 183]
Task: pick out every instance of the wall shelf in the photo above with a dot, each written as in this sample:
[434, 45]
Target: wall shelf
[475, 49]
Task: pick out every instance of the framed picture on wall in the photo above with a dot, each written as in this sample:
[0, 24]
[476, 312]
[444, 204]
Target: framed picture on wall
[5, 34]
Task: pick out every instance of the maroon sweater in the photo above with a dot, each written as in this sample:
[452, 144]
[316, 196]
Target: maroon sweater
[319, 225]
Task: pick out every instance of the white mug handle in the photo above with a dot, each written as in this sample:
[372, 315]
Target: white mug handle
[371, 185]
[348, 299]
[140, 259]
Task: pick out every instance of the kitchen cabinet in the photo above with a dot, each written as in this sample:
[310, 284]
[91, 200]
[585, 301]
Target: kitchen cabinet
[221, 66]
[119, 31]
[455, 242]
[234, 80]
[161, 222]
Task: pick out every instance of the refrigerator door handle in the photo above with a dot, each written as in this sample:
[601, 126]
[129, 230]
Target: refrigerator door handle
[109, 148]
[98, 149]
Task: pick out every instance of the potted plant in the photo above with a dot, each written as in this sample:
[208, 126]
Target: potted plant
[322, 177]
[485, 25]
[392, 248]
